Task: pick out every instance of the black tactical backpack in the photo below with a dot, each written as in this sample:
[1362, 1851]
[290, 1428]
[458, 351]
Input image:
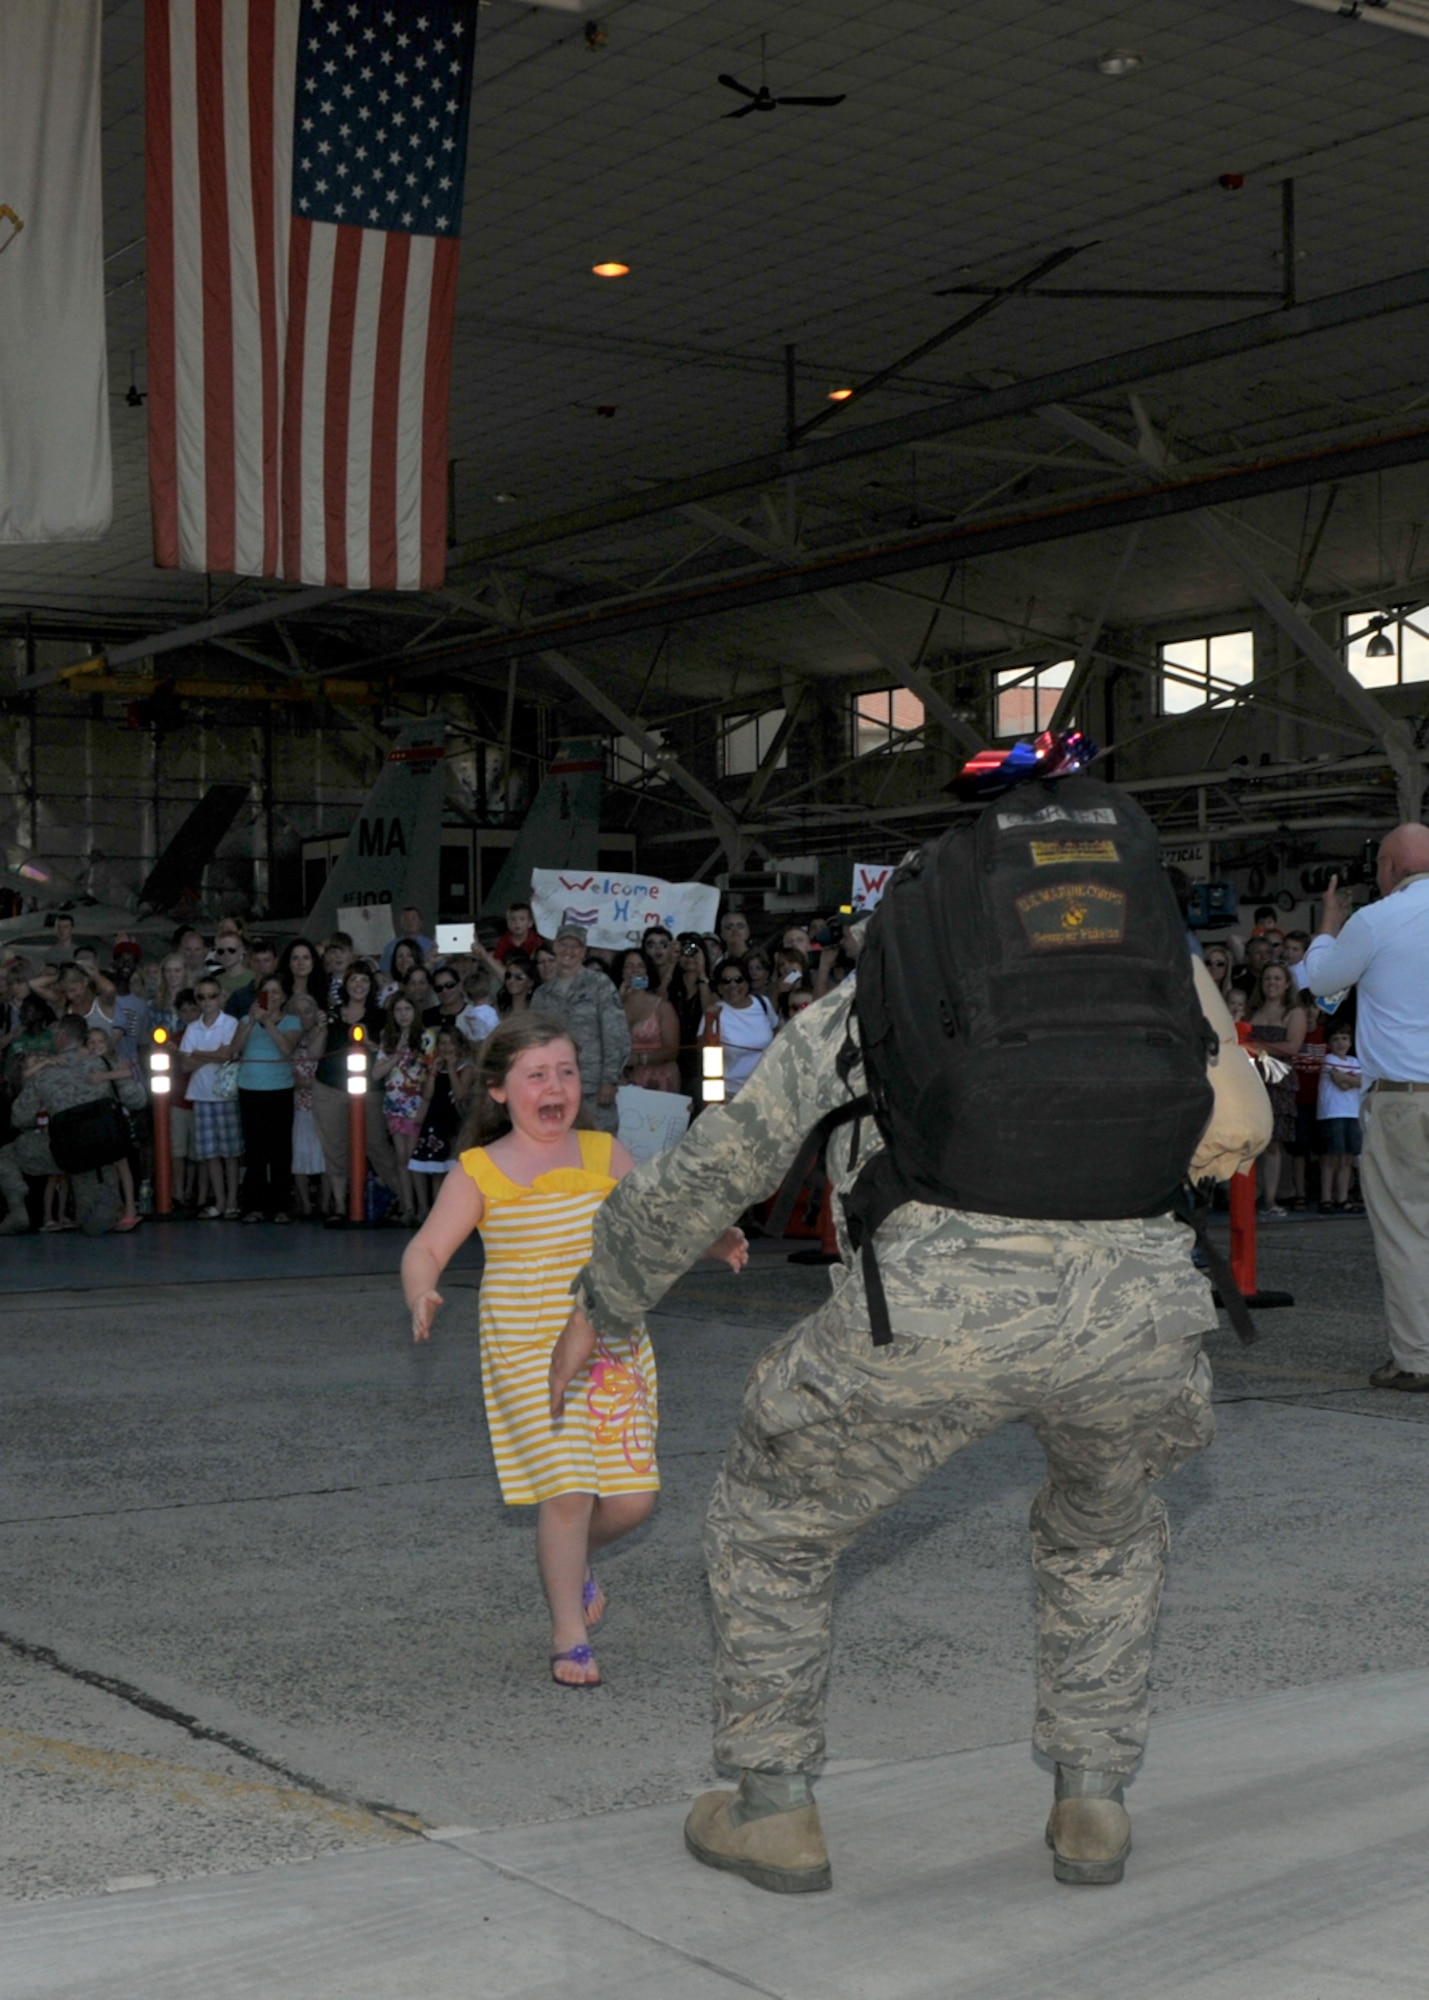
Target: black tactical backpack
[1028, 1021]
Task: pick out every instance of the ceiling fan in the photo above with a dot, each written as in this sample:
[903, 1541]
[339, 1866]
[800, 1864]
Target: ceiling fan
[764, 99]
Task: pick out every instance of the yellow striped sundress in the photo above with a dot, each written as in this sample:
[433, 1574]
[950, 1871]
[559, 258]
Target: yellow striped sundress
[536, 1238]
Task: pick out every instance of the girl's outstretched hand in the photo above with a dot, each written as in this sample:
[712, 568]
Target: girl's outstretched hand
[425, 1308]
[570, 1354]
[731, 1248]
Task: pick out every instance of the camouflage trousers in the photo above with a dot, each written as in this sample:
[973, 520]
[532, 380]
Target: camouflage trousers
[1097, 1350]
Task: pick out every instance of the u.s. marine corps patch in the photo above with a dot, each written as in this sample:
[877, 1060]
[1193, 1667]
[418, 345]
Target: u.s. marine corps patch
[1072, 913]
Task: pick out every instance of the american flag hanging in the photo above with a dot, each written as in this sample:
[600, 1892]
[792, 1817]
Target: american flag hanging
[305, 166]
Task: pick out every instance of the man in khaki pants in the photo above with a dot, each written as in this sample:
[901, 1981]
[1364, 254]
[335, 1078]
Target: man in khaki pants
[1383, 950]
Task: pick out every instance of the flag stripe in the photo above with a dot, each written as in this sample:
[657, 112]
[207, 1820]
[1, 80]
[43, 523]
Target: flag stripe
[246, 342]
[365, 315]
[188, 296]
[411, 414]
[313, 411]
[216, 253]
[159, 223]
[338, 427]
[299, 257]
[384, 413]
[441, 317]
[261, 37]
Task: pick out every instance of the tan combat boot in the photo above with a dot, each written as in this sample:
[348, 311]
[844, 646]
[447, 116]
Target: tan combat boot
[783, 1851]
[1089, 1831]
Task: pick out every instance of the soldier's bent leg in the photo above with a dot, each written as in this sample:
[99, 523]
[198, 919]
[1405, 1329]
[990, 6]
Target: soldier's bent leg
[832, 1432]
[15, 1192]
[29, 1154]
[1099, 1541]
[97, 1206]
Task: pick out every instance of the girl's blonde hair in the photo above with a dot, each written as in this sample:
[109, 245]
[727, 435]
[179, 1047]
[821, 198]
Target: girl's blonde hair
[487, 1120]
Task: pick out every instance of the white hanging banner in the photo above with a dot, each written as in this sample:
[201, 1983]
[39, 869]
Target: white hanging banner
[617, 910]
[56, 483]
[870, 879]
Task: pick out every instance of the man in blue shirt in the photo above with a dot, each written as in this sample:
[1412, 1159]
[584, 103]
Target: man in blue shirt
[1383, 951]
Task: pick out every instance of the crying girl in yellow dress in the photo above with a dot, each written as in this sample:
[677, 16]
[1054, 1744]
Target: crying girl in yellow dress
[531, 1182]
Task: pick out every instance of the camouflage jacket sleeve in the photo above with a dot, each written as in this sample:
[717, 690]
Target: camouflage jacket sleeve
[671, 1208]
[27, 1106]
[614, 1033]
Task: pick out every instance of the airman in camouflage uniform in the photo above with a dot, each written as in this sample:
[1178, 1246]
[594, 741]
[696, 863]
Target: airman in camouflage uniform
[1088, 1331]
[585, 1002]
[58, 1083]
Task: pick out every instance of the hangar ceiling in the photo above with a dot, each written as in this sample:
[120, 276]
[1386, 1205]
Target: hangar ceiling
[1260, 159]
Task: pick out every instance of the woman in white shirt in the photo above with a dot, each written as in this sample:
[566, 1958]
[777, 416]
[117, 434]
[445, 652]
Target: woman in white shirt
[746, 1024]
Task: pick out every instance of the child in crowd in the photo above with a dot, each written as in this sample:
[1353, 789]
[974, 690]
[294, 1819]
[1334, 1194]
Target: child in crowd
[443, 1100]
[181, 1117]
[1306, 1067]
[308, 1162]
[532, 1183]
[109, 1068]
[401, 1068]
[218, 1129]
[1341, 1086]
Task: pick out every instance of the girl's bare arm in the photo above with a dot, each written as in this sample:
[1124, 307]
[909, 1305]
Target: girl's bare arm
[458, 1210]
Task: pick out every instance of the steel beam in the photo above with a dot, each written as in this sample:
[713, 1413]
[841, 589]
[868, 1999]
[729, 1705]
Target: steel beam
[1086, 378]
[1391, 730]
[193, 635]
[908, 672]
[1163, 501]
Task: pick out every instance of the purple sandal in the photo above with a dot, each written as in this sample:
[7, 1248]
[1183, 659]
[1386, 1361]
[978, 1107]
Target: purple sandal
[579, 1656]
[590, 1591]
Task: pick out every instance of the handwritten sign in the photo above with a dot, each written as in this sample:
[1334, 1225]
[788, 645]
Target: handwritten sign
[617, 909]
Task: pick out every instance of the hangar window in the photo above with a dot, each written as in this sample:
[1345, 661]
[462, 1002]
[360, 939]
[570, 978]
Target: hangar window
[744, 742]
[1194, 671]
[627, 763]
[887, 719]
[1025, 698]
[1405, 630]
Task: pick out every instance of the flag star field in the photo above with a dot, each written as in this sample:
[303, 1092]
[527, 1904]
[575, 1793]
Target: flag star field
[381, 114]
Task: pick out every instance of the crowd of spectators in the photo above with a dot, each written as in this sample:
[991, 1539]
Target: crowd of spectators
[1310, 1164]
[260, 1034]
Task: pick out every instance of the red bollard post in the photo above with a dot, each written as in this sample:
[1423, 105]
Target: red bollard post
[160, 1085]
[357, 1130]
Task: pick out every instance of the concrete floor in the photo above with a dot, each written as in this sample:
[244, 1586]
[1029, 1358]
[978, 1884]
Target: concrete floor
[262, 1606]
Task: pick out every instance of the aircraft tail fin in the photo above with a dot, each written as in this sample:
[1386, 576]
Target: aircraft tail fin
[562, 828]
[393, 852]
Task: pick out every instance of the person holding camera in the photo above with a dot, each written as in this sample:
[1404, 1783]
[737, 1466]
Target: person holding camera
[1382, 951]
[691, 996]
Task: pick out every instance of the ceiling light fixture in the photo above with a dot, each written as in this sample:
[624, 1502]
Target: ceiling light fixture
[839, 395]
[1119, 62]
[504, 499]
[610, 270]
[1380, 646]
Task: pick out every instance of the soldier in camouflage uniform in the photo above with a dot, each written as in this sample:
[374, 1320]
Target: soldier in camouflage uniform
[1088, 1331]
[588, 1005]
[58, 1083]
